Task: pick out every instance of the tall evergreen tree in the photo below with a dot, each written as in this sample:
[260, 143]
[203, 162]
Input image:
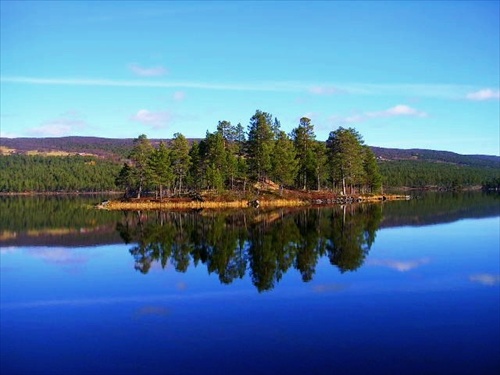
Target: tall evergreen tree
[139, 156]
[284, 163]
[216, 156]
[181, 161]
[161, 168]
[320, 163]
[304, 140]
[197, 168]
[345, 154]
[373, 178]
[260, 144]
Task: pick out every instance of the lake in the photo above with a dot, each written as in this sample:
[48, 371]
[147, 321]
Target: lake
[394, 288]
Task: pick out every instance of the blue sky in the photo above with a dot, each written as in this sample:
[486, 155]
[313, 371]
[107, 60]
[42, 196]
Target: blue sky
[404, 74]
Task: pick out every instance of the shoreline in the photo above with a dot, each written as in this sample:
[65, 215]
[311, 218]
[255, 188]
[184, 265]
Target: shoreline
[150, 204]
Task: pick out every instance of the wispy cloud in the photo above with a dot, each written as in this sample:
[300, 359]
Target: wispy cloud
[154, 71]
[323, 90]
[155, 120]
[8, 250]
[485, 279]
[179, 96]
[59, 256]
[453, 92]
[396, 111]
[262, 86]
[5, 134]
[484, 94]
[399, 265]
[66, 124]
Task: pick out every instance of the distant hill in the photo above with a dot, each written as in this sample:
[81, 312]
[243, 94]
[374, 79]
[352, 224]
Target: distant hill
[118, 148]
[415, 154]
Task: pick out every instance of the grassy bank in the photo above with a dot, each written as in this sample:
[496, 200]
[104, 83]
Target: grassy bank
[265, 202]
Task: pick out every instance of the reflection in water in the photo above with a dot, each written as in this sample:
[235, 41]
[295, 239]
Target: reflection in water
[266, 244]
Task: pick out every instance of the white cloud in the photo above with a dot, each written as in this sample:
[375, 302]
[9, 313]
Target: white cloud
[323, 90]
[484, 94]
[396, 111]
[485, 279]
[399, 265]
[8, 249]
[179, 96]
[5, 134]
[58, 127]
[59, 256]
[154, 119]
[154, 71]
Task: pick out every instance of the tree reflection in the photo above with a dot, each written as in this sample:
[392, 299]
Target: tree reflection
[266, 243]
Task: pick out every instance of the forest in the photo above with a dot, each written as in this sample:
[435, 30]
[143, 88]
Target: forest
[230, 159]
[233, 158]
[37, 173]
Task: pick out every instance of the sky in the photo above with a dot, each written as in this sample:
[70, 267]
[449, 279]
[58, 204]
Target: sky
[404, 74]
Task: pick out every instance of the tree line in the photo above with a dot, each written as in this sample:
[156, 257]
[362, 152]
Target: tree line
[445, 176]
[37, 173]
[230, 157]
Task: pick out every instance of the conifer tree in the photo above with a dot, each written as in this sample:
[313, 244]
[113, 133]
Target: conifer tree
[161, 168]
[284, 163]
[304, 140]
[260, 144]
[373, 178]
[181, 161]
[139, 156]
[345, 154]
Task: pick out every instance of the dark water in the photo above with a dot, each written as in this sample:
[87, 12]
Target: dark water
[400, 288]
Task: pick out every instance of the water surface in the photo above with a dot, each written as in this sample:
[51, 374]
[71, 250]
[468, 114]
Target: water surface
[407, 287]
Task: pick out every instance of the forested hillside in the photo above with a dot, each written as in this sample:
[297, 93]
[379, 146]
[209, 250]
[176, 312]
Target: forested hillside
[232, 156]
[35, 173]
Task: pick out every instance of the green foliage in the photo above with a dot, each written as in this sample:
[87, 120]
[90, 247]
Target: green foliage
[24, 173]
[180, 158]
[304, 141]
[321, 166]
[140, 157]
[373, 178]
[492, 183]
[228, 159]
[284, 162]
[345, 147]
[161, 168]
[260, 144]
[422, 174]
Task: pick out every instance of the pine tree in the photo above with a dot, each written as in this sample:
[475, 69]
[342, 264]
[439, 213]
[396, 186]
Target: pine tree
[345, 154]
[181, 161]
[260, 144]
[216, 158]
[304, 140]
[139, 156]
[161, 168]
[373, 178]
[284, 163]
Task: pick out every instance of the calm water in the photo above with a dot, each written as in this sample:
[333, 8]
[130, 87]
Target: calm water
[403, 288]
